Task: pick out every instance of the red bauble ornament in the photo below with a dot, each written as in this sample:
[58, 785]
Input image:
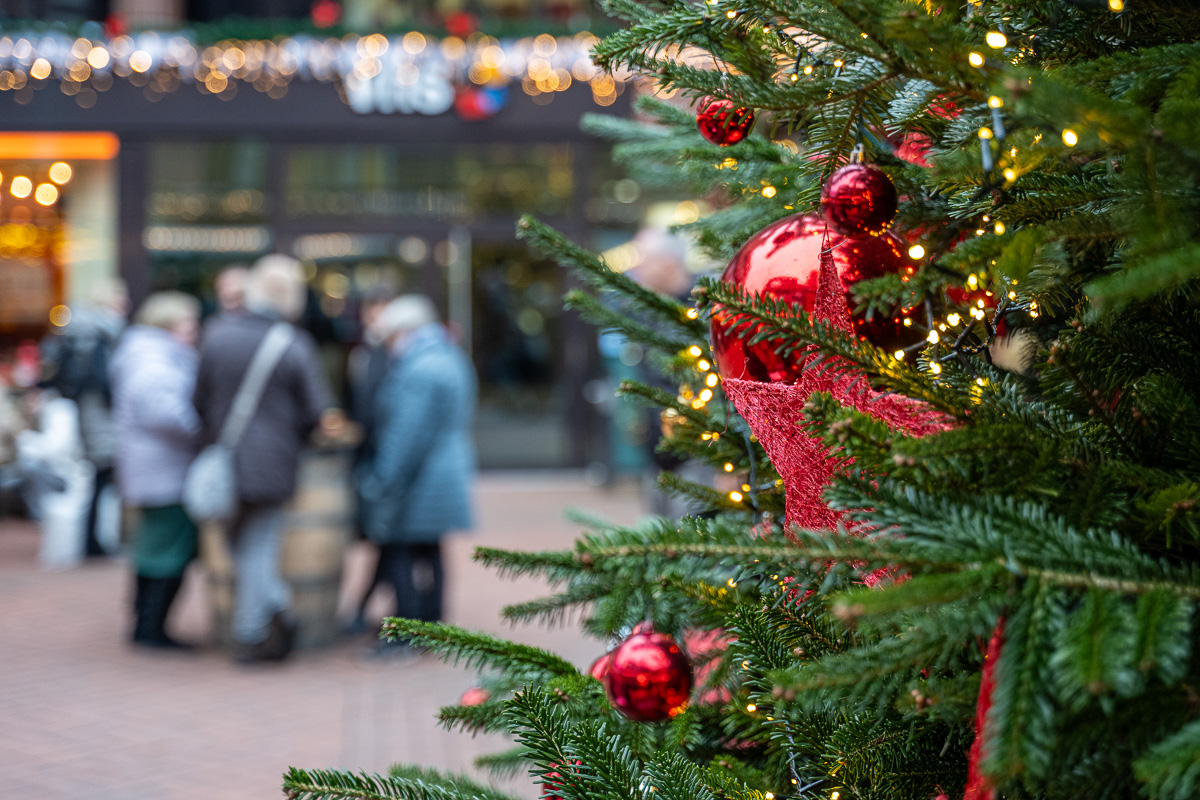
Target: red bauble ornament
[723, 123]
[475, 696]
[914, 148]
[649, 678]
[553, 781]
[859, 199]
[860, 258]
[599, 667]
[783, 260]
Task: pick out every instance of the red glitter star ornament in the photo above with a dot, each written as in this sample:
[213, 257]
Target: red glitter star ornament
[775, 411]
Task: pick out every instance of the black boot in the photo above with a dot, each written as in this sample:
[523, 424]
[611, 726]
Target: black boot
[281, 637]
[154, 598]
[141, 621]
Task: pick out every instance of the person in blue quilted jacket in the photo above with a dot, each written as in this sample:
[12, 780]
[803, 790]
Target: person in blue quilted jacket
[418, 485]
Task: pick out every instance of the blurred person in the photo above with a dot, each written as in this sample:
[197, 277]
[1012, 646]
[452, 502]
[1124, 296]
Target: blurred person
[662, 263]
[418, 485]
[76, 366]
[662, 267]
[230, 288]
[365, 371]
[294, 404]
[153, 374]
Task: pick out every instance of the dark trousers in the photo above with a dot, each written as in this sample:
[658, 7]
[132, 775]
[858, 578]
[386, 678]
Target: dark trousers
[92, 546]
[415, 572]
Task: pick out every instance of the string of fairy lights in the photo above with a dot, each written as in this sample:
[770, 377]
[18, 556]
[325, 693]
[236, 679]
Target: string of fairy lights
[952, 336]
[83, 67]
[947, 338]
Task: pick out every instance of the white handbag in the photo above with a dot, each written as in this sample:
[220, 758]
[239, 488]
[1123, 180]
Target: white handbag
[210, 487]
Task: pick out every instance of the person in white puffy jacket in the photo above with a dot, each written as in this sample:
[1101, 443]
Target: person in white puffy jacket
[153, 374]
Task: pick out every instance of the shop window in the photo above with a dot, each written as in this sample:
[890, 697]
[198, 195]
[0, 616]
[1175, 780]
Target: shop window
[197, 183]
[442, 183]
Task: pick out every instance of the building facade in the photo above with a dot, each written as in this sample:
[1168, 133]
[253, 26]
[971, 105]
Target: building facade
[180, 172]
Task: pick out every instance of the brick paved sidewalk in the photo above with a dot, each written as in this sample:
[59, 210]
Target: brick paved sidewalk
[84, 716]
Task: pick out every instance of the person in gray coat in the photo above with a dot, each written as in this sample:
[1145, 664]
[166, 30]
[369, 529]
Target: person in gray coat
[152, 374]
[417, 486]
[295, 402]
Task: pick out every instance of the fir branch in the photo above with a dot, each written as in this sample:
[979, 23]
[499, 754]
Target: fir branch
[552, 610]
[1171, 769]
[605, 318]
[481, 718]
[674, 778]
[545, 241]
[455, 644]
[507, 763]
[408, 784]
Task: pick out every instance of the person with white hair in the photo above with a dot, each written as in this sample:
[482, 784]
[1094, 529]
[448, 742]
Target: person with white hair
[153, 375]
[293, 403]
[230, 287]
[417, 487]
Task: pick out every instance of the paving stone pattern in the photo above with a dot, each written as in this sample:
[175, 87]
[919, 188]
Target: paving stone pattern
[85, 716]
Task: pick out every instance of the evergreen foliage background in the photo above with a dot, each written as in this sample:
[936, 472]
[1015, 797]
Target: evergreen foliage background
[1063, 499]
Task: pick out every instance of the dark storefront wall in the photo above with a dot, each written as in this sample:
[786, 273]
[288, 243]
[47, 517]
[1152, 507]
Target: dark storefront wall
[416, 203]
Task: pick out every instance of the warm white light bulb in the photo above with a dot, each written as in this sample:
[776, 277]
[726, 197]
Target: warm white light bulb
[60, 172]
[46, 194]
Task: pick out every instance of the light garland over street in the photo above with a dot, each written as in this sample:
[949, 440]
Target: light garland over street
[406, 73]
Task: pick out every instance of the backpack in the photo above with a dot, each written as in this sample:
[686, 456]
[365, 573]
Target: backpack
[77, 364]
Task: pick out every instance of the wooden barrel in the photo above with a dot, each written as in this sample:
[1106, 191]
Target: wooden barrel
[316, 533]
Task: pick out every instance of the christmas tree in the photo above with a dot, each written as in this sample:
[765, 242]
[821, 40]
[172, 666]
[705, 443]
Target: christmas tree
[950, 373]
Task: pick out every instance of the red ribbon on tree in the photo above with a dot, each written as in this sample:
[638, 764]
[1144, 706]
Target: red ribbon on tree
[978, 787]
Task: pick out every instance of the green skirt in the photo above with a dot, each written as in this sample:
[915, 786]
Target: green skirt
[165, 542]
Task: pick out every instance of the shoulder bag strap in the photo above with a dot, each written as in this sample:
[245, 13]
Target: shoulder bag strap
[279, 337]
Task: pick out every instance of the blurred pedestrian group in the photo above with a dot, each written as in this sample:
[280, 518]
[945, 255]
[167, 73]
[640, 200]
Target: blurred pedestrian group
[132, 407]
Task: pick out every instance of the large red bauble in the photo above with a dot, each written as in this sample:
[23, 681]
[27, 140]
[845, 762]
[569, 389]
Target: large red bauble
[723, 123]
[859, 199]
[649, 678]
[599, 667]
[783, 260]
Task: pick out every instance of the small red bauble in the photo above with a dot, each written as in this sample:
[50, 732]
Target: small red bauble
[722, 123]
[783, 260]
[859, 199]
[599, 667]
[553, 781]
[475, 696]
[649, 678]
